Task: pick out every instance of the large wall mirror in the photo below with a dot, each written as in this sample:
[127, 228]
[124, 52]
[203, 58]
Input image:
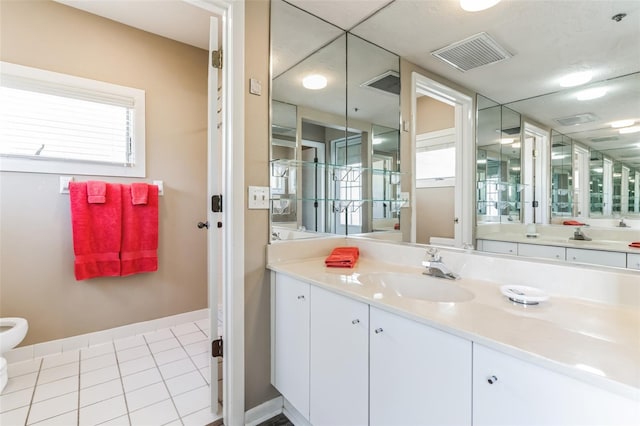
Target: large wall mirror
[335, 114]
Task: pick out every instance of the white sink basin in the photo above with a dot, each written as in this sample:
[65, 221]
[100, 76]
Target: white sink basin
[415, 286]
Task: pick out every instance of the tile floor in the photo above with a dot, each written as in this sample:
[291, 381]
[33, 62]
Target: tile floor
[158, 378]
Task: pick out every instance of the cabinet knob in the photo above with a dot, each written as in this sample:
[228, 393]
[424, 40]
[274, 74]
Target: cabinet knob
[378, 330]
[355, 321]
[492, 379]
[301, 297]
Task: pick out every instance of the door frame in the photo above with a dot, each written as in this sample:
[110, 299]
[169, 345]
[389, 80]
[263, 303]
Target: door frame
[465, 154]
[542, 171]
[232, 160]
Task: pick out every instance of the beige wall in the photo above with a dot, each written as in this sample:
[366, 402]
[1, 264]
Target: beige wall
[258, 387]
[36, 257]
[435, 205]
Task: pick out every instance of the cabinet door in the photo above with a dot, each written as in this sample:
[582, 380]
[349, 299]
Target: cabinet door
[291, 346]
[418, 375]
[633, 261]
[540, 251]
[339, 360]
[502, 247]
[521, 393]
[597, 257]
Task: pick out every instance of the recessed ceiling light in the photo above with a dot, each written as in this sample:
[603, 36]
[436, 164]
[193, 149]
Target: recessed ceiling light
[477, 5]
[627, 130]
[516, 145]
[622, 123]
[482, 161]
[314, 82]
[505, 141]
[593, 93]
[377, 141]
[576, 79]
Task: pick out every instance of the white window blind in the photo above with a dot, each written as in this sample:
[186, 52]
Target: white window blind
[56, 123]
[436, 159]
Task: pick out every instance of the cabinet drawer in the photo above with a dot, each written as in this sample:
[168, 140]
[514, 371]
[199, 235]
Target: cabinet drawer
[597, 257]
[502, 247]
[540, 251]
[633, 261]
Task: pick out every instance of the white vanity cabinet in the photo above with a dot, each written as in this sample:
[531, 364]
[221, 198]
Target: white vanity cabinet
[597, 257]
[633, 261]
[500, 247]
[290, 365]
[509, 391]
[541, 251]
[418, 375]
[339, 360]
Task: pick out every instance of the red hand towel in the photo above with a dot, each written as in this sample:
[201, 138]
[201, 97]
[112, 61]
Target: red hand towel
[139, 193]
[573, 223]
[342, 257]
[139, 233]
[635, 244]
[96, 192]
[96, 232]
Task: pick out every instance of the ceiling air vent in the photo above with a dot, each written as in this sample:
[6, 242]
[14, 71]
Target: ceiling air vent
[388, 82]
[472, 52]
[605, 139]
[573, 120]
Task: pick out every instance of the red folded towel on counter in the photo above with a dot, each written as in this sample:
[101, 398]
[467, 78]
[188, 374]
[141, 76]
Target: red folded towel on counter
[635, 244]
[342, 257]
[573, 223]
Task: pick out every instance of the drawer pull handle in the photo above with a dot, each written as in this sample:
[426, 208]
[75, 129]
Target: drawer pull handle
[491, 380]
[301, 297]
[378, 330]
[355, 321]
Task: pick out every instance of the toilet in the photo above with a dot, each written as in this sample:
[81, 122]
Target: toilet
[12, 331]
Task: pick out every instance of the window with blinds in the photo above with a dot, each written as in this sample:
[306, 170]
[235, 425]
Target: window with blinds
[57, 123]
[436, 159]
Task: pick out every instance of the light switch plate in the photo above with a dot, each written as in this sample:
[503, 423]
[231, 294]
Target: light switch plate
[255, 87]
[259, 197]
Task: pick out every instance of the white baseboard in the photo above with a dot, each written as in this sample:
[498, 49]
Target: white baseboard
[294, 415]
[263, 412]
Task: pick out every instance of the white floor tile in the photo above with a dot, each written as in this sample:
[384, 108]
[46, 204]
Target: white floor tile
[192, 401]
[185, 382]
[203, 324]
[156, 414]
[60, 359]
[164, 345]
[118, 421]
[198, 348]
[96, 377]
[199, 418]
[20, 382]
[174, 423]
[187, 328]
[66, 419]
[201, 360]
[159, 335]
[14, 417]
[176, 368]
[57, 373]
[103, 411]
[24, 367]
[149, 395]
[98, 362]
[53, 407]
[187, 339]
[13, 400]
[205, 372]
[128, 342]
[141, 379]
[136, 365]
[171, 355]
[97, 350]
[100, 392]
[133, 353]
[54, 389]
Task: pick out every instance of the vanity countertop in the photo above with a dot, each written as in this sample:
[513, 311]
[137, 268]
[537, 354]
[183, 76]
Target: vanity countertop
[552, 240]
[594, 342]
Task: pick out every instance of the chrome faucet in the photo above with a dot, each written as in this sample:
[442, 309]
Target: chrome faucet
[579, 235]
[436, 268]
[622, 224]
[275, 236]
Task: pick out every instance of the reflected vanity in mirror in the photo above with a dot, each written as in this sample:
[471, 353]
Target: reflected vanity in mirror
[335, 113]
[592, 162]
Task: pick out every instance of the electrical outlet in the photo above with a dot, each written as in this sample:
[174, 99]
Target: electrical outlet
[259, 197]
